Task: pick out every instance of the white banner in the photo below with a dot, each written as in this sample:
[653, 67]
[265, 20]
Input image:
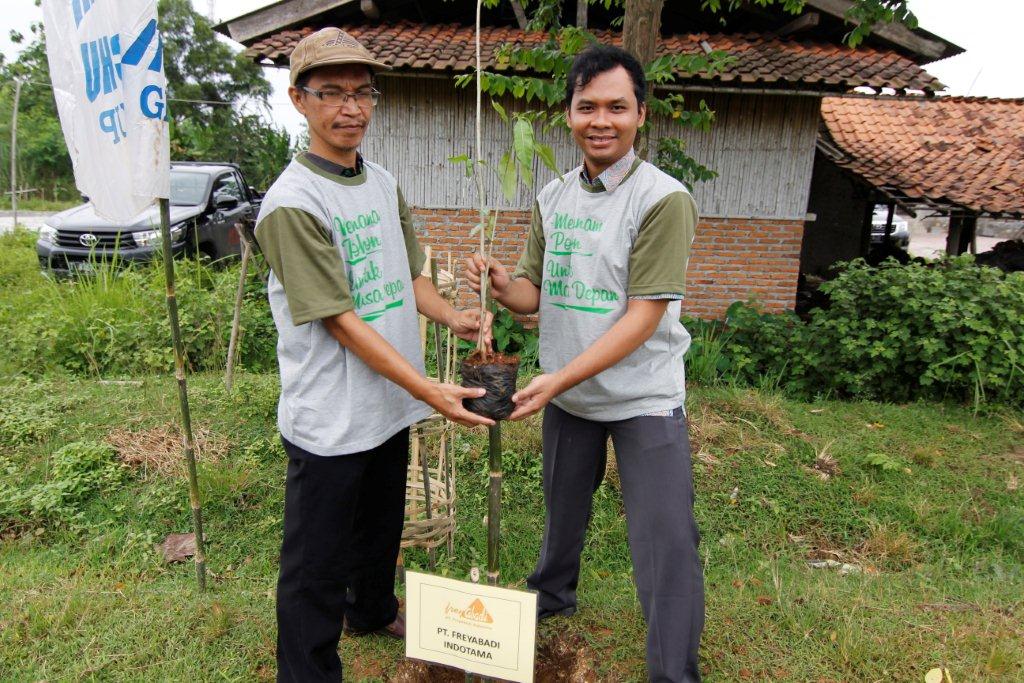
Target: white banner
[106, 65]
[484, 630]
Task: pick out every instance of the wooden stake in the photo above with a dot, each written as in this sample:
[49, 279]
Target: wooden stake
[494, 504]
[179, 373]
[229, 372]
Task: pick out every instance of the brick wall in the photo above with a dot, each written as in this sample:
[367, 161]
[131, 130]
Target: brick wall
[732, 259]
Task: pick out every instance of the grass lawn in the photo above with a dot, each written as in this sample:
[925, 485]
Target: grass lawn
[922, 500]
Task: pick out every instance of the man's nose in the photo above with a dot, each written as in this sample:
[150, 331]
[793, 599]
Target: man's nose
[350, 106]
[600, 118]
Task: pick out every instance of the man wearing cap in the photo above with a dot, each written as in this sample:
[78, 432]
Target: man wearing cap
[344, 289]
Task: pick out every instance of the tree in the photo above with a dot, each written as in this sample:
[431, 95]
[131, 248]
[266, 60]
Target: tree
[641, 25]
[207, 83]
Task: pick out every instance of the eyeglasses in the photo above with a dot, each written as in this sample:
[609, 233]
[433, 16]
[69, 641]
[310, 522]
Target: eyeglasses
[365, 98]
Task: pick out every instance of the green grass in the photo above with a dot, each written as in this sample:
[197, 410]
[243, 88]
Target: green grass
[37, 204]
[924, 502]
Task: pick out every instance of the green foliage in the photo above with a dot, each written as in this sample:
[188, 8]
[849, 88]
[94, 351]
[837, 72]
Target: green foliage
[115, 321]
[22, 424]
[208, 83]
[882, 461]
[897, 333]
[673, 160]
[512, 338]
[79, 471]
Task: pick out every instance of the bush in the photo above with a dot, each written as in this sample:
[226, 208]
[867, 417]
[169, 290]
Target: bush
[115, 322]
[80, 471]
[941, 330]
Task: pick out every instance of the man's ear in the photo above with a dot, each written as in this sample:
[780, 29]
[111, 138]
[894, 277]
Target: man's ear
[295, 95]
[643, 113]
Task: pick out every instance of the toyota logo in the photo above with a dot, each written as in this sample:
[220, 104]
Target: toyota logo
[89, 240]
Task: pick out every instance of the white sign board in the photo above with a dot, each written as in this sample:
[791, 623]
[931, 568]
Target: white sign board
[484, 630]
[106, 65]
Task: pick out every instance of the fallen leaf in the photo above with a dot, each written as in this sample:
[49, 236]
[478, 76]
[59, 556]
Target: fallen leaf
[793, 538]
[737, 584]
[178, 547]
[746, 673]
[769, 463]
[817, 411]
[833, 636]
[1013, 483]
[756, 582]
[938, 675]
[764, 600]
[875, 425]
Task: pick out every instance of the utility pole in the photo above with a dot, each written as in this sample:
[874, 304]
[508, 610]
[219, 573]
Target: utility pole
[14, 151]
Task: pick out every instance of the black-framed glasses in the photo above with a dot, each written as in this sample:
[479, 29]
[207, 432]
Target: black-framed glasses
[332, 97]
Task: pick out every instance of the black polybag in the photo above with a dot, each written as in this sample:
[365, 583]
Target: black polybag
[499, 379]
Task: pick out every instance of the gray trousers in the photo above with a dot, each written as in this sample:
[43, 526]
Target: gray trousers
[653, 457]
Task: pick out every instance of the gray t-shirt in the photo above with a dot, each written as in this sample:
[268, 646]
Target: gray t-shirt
[590, 250]
[338, 244]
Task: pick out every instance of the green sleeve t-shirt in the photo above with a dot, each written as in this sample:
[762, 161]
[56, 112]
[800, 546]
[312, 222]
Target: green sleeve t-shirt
[337, 243]
[301, 252]
[590, 251]
[658, 258]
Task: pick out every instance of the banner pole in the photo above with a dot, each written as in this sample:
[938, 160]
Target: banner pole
[14, 150]
[179, 373]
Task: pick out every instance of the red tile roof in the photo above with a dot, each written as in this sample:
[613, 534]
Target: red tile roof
[761, 60]
[947, 151]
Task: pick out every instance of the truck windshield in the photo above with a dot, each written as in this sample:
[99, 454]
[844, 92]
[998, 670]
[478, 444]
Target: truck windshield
[188, 188]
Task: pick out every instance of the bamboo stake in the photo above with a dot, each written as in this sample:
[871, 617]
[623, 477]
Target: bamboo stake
[179, 373]
[438, 351]
[229, 372]
[494, 504]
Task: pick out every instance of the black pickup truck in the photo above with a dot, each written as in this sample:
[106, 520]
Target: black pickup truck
[207, 200]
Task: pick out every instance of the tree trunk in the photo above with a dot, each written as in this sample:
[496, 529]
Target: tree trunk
[641, 28]
[520, 13]
[581, 13]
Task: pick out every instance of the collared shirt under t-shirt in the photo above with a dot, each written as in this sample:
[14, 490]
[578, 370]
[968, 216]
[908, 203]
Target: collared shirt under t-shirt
[590, 250]
[337, 244]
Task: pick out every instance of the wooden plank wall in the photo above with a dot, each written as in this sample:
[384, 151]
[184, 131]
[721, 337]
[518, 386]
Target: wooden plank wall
[761, 146]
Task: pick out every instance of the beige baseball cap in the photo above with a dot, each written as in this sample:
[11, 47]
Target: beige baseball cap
[330, 46]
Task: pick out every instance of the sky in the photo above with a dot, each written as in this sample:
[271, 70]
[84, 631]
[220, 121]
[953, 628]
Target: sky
[989, 31]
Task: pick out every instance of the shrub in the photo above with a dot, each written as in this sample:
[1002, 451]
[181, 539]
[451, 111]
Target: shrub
[940, 330]
[80, 470]
[115, 322]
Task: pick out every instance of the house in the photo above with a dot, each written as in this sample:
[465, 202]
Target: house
[762, 144]
[958, 157]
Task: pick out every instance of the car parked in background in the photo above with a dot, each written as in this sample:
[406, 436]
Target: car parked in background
[207, 200]
[900, 234]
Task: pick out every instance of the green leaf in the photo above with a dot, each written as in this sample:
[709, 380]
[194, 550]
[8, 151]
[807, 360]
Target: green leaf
[500, 109]
[547, 157]
[507, 175]
[524, 143]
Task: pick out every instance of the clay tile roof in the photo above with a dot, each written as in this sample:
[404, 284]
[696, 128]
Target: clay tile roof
[948, 151]
[761, 61]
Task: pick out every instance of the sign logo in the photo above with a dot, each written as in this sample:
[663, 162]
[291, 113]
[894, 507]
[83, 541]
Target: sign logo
[476, 613]
[89, 240]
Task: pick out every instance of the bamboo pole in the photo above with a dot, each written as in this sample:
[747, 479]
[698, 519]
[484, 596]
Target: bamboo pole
[14, 150]
[438, 351]
[494, 504]
[229, 372]
[179, 373]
